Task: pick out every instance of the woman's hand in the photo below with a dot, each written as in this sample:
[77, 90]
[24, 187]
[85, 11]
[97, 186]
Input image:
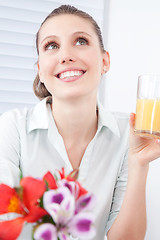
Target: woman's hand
[142, 149]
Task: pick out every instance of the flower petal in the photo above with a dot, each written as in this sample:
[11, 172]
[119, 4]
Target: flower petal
[49, 178]
[60, 204]
[81, 226]
[67, 210]
[62, 173]
[33, 189]
[45, 231]
[10, 230]
[85, 202]
[63, 236]
[82, 190]
[71, 185]
[35, 214]
[53, 210]
[9, 194]
[55, 196]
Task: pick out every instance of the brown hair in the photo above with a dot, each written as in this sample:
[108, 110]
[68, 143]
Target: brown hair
[39, 87]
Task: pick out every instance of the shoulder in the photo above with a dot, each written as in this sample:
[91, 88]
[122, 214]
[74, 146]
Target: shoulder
[12, 123]
[26, 118]
[21, 114]
[13, 116]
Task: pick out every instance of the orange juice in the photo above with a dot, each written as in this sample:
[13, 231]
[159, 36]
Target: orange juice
[148, 117]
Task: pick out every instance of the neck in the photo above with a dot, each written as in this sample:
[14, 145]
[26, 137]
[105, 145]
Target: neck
[76, 120]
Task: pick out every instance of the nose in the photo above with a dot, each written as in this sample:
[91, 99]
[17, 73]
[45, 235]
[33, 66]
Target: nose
[66, 57]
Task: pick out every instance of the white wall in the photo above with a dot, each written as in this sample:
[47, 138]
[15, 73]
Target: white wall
[134, 45]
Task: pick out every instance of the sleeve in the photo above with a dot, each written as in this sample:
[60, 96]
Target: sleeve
[9, 149]
[119, 192]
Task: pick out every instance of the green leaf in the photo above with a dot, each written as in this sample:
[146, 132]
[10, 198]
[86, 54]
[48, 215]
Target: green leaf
[21, 174]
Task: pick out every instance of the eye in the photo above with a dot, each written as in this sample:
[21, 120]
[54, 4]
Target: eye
[81, 41]
[51, 46]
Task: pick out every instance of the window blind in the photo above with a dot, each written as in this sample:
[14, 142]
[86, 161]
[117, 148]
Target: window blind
[19, 22]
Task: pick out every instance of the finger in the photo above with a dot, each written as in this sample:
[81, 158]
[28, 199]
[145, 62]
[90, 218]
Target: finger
[132, 119]
[132, 123]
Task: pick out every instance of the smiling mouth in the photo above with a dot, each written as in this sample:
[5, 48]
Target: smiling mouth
[68, 75]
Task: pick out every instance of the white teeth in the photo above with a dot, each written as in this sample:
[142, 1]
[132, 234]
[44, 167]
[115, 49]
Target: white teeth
[70, 74]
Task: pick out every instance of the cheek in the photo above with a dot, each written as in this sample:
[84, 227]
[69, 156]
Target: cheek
[94, 60]
[47, 66]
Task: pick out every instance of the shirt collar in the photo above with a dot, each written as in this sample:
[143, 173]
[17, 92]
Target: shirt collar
[107, 119]
[38, 117]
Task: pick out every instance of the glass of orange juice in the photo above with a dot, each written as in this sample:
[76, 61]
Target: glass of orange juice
[148, 106]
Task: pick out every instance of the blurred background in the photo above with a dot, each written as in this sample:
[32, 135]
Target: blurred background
[131, 32]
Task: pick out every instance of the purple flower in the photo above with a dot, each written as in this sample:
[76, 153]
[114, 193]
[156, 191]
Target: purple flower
[46, 231]
[82, 226]
[72, 186]
[60, 204]
[70, 217]
[85, 203]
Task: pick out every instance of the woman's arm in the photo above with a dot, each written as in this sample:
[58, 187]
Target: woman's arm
[9, 149]
[130, 223]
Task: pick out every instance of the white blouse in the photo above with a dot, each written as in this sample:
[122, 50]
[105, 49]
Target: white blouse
[30, 141]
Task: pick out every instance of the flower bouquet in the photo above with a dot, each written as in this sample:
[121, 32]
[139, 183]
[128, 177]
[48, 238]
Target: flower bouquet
[57, 206]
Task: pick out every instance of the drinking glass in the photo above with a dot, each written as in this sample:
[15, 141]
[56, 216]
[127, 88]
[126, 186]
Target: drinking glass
[148, 106]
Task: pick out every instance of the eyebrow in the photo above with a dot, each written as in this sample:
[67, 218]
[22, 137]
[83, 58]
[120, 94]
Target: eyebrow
[82, 33]
[75, 33]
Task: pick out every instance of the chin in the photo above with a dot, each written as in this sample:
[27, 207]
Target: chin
[72, 97]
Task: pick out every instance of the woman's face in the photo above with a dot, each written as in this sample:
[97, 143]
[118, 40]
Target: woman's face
[70, 59]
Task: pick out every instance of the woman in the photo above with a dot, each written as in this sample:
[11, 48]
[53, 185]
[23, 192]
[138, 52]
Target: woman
[69, 128]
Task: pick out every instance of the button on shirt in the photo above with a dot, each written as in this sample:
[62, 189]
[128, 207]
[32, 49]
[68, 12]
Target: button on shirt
[30, 141]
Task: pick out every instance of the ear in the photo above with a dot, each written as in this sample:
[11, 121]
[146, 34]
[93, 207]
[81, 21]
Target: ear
[106, 62]
[39, 73]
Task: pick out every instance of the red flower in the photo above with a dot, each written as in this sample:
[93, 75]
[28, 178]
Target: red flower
[51, 182]
[73, 177]
[24, 201]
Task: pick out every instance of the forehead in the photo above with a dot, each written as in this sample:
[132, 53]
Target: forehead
[66, 24]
